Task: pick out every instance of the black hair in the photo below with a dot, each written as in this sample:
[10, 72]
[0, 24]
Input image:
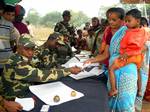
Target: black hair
[134, 13]
[79, 31]
[143, 21]
[2, 4]
[9, 8]
[119, 11]
[95, 18]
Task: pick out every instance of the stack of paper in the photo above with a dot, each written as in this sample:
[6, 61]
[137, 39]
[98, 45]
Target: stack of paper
[47, 92]
[26, 103]
[84, 74]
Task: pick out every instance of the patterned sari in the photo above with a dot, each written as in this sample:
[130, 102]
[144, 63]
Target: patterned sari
[126, 79]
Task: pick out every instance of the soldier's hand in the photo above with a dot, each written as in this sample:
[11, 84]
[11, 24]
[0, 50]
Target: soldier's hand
[12, 106]
[75, 70]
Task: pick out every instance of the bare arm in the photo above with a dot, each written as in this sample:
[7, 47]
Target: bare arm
[100, 57]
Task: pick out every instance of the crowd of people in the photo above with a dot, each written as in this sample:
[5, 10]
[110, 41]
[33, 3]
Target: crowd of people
[119, 43]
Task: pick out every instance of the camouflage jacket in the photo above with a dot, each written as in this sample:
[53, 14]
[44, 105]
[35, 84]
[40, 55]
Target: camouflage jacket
[45, 58]
[20, 74]
[67, 29]
[64, 53]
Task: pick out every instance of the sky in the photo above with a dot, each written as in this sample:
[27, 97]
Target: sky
[89, 7]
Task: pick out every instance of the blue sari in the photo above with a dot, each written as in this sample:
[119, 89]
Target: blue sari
[126, 79]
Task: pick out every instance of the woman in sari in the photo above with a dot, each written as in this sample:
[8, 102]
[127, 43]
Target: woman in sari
[126, 77]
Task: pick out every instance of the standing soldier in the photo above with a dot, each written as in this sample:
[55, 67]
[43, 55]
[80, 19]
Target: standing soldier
[66, 26]
[20, 73]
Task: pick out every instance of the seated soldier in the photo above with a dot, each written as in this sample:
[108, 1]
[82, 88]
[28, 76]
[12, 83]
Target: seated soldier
[64, 51]
[20, 73]
[47, 52]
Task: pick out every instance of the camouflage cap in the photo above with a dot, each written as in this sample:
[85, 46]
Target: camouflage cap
[26, 40]
[53, 36]
[66, 13]
[56, 36]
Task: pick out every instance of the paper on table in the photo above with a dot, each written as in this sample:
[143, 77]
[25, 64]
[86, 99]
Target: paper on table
[84, 74]
[71, 62]
[26, 103]
[96, 71]
[73, 49]
[77, 62]
[81, 75]
[85, 52]
[47, 92]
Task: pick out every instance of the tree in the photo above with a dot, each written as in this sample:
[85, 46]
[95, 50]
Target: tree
[51, 19]
[33, 16]
[79, 18]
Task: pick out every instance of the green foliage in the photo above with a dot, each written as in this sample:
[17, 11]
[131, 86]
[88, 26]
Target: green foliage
[33, 16]
[79, 18]
[50, 19]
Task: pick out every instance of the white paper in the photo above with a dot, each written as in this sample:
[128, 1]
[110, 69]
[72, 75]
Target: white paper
[73, 49]
[96, 71]
[85, 52]
[78, 62]
[71, 62]
[47, 92]
[26, 103]
[81, 75]
[84, 74]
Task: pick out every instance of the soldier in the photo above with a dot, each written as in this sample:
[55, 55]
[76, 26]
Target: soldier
[65, 26]
[64, 51]
[20, 74]
[47, 52]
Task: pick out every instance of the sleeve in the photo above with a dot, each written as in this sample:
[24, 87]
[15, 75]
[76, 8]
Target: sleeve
[27, 73]
[57, 27]
[133, 44]
[14, 34]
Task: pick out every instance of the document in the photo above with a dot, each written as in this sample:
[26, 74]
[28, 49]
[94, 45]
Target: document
[48, 92]
[95, 71]
[26, 103]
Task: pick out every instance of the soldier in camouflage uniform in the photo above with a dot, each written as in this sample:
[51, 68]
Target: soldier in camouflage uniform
[19, 73]
[47, 53]
[64, 51]
[65, 26]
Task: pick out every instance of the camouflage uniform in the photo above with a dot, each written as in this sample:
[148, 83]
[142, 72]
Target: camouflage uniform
[45, 58]
[20, 73]
[64, 53]
[62, 27]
